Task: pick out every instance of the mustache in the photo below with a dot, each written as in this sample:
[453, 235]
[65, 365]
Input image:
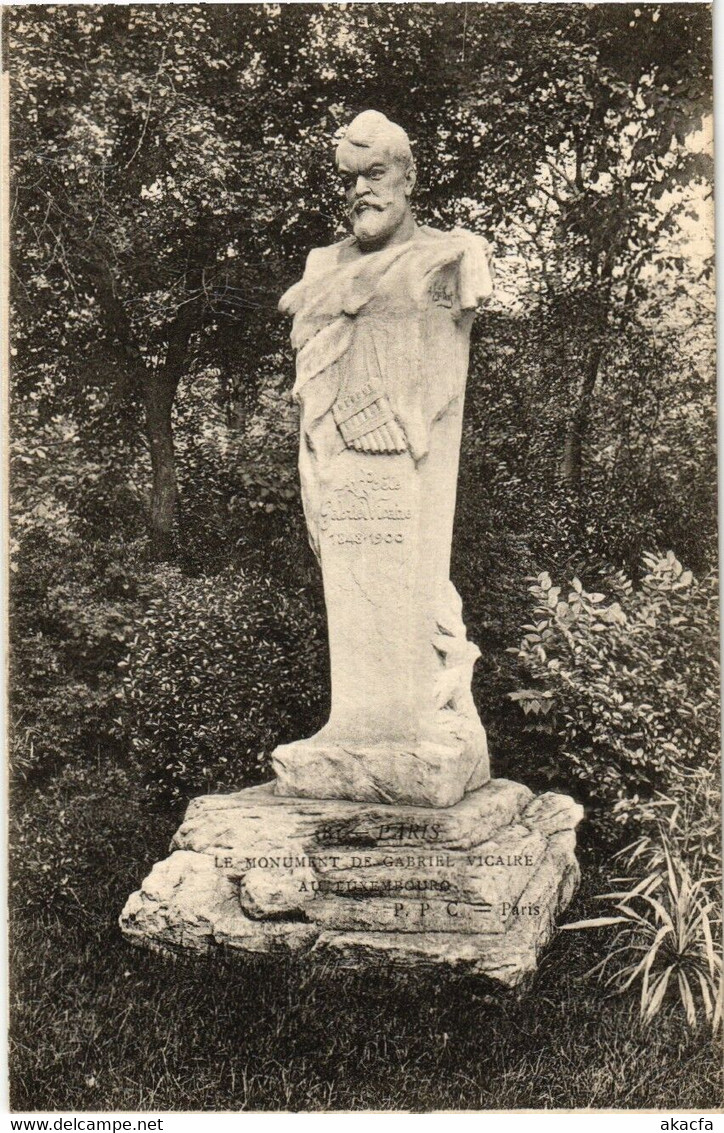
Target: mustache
[363, 204]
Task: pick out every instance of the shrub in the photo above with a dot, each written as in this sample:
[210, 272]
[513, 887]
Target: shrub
[220, 671]
[628, 684]
[689, 816]
[70, 612]
[75, 589]
[665, 942]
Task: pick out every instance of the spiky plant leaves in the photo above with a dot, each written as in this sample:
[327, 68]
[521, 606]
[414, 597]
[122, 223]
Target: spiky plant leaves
[664, 941]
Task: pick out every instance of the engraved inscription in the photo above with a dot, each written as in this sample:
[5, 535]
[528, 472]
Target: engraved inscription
[441, 295]
[363, 500]
[465, 887]
[359, 537]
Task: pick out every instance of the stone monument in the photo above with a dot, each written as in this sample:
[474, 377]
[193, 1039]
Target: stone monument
[382, 835]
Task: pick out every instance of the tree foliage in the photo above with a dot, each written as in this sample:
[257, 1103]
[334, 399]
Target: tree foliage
[171, 167]
[628, 680]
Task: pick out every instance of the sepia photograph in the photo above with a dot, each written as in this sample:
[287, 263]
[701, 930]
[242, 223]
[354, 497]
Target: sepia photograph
[364, 703]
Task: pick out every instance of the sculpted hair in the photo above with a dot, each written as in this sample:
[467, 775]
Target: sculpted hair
[370, 128]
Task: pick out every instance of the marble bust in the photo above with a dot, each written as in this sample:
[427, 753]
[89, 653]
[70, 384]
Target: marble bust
[381, 332]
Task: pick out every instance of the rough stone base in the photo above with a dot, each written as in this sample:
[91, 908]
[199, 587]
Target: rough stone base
[476, 885]
[431, 774]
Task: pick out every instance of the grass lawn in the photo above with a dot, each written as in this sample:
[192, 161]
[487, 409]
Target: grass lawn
[98, 1025]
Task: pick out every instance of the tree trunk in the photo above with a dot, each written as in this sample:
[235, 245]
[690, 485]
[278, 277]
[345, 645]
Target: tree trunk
[572, 462]
[158, 396]
[158, 390]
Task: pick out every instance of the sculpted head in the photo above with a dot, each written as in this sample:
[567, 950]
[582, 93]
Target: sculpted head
[375, 163]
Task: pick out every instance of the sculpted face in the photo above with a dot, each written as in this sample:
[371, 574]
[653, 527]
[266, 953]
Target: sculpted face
[378, 187]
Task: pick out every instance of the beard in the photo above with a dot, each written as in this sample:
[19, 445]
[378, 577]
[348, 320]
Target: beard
[374, 223]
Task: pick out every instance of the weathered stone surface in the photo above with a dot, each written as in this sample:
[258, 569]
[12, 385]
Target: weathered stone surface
[431, 775]
[188, 904]
[406, 914]
[265, 892]
[477, 884]
[507, 957]
[497, 870]
[381, 329]
[551, 813]
[258, 821]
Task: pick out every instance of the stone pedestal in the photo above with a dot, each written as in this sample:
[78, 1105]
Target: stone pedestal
[477, 884]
